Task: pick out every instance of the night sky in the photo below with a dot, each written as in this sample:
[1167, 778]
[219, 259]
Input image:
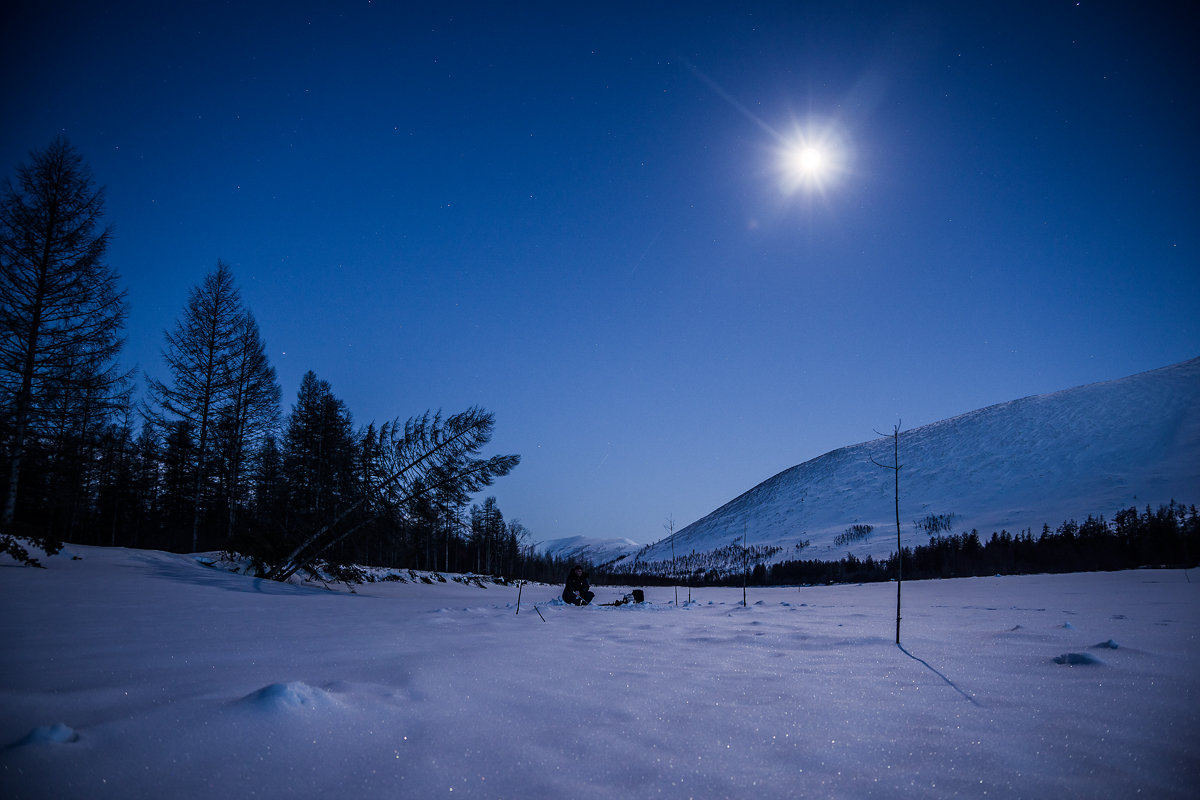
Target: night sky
[580, 219]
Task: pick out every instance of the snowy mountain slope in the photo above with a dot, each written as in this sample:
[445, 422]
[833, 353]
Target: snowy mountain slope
[1093, 449]
[588, 551]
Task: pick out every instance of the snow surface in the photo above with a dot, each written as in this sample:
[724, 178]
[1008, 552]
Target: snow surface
[138, 674]
[1091, 450]
[587, 550]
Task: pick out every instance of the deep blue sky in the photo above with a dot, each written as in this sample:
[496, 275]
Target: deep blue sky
[577, 218]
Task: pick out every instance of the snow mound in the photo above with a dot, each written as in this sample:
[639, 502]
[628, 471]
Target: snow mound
[1077, 659]
[58, 733]
[1109, 645]
[286, 697]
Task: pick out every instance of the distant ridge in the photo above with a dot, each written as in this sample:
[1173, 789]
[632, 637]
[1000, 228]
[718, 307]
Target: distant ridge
[1093, 449]
[585, 550]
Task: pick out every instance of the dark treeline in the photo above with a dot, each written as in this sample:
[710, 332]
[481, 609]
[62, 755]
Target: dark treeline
[203, 458]
[1169, 536]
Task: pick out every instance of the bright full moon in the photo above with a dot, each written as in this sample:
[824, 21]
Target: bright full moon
[806, 166]
[811, 161]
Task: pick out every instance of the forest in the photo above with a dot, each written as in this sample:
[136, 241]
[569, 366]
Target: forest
[1166, 537]
[200, 456]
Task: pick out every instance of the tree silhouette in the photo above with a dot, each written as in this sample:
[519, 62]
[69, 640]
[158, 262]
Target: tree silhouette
[61, 313]
[199, 354]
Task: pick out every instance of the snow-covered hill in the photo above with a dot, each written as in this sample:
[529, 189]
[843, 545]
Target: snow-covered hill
[1093, 449]
[588, 551]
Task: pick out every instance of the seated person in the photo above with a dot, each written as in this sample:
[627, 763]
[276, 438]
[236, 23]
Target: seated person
[577, 591]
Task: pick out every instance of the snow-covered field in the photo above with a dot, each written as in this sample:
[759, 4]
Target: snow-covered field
[131, 674]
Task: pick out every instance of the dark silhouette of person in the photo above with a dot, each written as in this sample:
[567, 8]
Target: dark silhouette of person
[577, 591]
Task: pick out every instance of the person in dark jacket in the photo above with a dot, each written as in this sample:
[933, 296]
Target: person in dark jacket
[577, 592]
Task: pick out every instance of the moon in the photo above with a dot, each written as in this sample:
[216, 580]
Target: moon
[811, 161]
[807, 165]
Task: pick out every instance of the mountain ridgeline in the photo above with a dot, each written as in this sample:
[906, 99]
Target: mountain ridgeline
[1018, 466]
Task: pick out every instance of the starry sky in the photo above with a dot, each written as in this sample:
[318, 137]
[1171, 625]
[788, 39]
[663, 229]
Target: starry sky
[578, 216]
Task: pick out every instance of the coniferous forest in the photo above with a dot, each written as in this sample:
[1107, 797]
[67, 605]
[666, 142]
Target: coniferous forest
[1166, 537]
[196, 455]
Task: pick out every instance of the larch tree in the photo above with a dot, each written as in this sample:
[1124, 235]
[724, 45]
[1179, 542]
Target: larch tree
[319, 454]
[61, 312]
[427, 454]
[199, 355]
[250, 415]
[518, 535]
[487, 533]
[172, 505]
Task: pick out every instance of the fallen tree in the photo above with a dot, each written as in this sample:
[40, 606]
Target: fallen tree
[429, 456]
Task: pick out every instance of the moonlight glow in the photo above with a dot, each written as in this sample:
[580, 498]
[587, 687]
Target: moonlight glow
[811, 161]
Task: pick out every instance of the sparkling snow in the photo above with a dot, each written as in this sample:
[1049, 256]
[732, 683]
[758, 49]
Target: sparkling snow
[131, 674]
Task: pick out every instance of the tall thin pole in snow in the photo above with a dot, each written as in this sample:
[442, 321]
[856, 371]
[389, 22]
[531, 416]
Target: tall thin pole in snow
[899, 549]
[895, 467]
[670, 526]
[745, 565]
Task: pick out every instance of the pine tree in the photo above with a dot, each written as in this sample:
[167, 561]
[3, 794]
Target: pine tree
[319, 449]
[146, 486]
[61, 313]
[175, 504]
[262, 535]
[250, 415]
[199, 355]
[428, 454]
[487, 533]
